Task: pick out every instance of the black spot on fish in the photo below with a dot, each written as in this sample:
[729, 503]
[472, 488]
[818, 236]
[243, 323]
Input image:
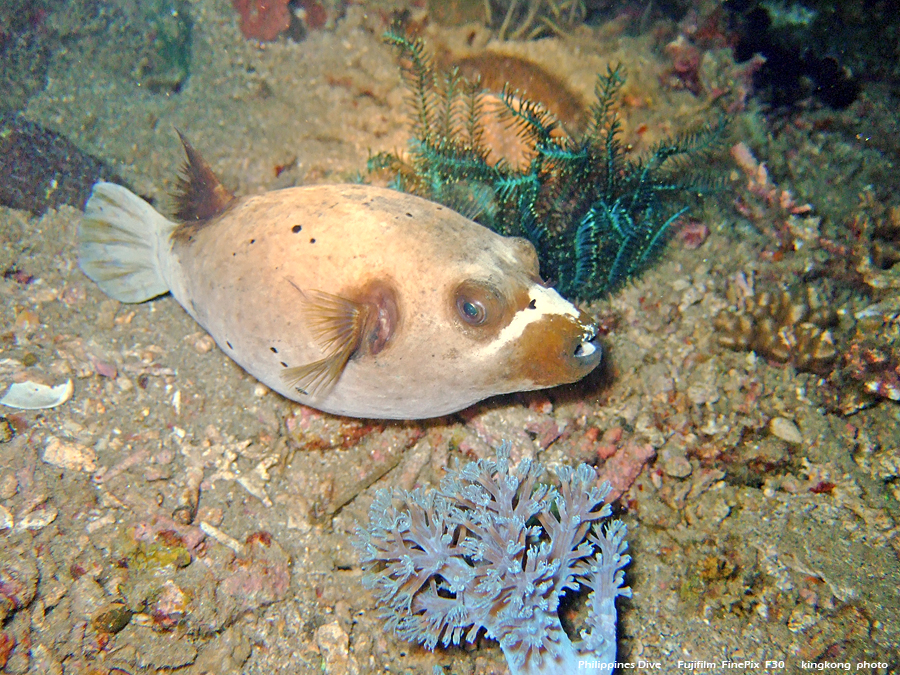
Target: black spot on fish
[274, 351]
[284, 364]
[296, 228]
[229, 344]
[312, 241]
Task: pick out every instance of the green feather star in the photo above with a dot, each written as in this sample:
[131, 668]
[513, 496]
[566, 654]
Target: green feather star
[595, 216]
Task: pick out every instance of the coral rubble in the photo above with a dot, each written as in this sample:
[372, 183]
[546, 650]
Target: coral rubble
[495, 550]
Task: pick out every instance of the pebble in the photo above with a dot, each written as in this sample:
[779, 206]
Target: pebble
[157, 650]
[711, 509]
[20, 574]
[333, 643]
[9, 486]
[106, 368]
[802, 617]
[204, 343]
[44, 661]
[703, 388]
[111, 618]
[26, 321]
[692, 296]
[37, 520]
[7, 430]
[786, 430]
[72, 456]
[677, 467]
[674, 460]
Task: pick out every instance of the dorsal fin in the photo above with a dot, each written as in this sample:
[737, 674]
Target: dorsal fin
[199, 195]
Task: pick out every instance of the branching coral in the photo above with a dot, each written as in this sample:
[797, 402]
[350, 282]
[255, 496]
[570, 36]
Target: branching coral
[869, 257]
[783, 326]
[495, 550]
[595, 216]
[857, 354]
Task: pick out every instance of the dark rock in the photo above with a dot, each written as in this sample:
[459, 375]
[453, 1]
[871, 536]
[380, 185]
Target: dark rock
[43, 170]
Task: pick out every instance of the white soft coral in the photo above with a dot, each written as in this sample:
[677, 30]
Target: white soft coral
[496, 550]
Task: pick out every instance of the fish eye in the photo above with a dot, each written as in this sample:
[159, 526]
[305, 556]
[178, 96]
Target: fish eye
[471, 311]
[478, 304]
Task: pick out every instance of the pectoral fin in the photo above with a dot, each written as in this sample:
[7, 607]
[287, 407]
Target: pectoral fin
[338, 324]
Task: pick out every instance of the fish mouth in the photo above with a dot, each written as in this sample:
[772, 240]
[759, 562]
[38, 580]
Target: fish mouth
[557, 349]
[589, 352]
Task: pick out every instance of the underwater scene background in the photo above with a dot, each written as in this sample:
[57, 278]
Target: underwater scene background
[714, 182]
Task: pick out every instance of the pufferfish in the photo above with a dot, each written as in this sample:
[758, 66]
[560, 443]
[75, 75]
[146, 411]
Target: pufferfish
[353, 299]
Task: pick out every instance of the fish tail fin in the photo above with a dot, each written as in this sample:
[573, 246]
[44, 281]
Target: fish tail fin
[120, 241]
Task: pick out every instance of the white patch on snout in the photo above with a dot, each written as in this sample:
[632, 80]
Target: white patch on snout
[547, 302]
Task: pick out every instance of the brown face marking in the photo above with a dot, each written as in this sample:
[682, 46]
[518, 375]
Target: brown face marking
[545, 352]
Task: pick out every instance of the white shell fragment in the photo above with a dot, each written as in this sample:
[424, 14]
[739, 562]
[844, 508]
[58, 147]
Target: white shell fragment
[34, 396]
[222, 538]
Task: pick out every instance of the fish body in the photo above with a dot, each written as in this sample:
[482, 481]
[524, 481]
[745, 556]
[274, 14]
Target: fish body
[353, 299]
